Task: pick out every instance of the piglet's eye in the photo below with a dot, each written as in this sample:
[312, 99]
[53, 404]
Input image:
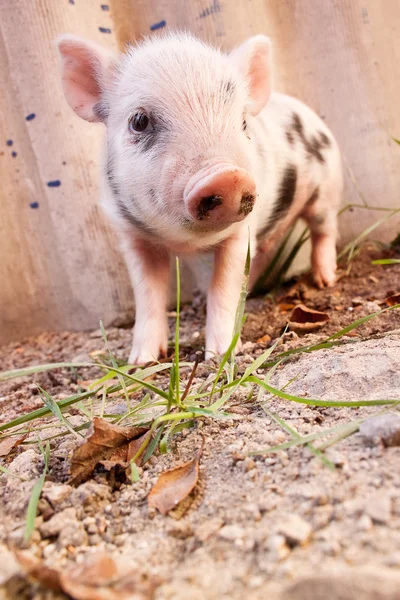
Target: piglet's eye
[139, 122]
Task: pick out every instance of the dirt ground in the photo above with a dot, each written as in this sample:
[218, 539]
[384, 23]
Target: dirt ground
[279, 526]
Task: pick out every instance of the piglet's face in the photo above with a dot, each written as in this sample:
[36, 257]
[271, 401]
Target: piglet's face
[179, 158]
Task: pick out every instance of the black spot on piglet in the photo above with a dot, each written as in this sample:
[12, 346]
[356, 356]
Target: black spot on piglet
[286, 193]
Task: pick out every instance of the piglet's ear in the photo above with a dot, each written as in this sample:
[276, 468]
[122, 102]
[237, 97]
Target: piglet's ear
[253, 59]
[85, 75]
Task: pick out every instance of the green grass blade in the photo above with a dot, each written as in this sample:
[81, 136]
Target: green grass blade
[315, 402]
[178, 308]
[44, 412]
[52, 405]
[297, 437]
[5, 375]
[35, 494]
[386, 261]
[153, 444]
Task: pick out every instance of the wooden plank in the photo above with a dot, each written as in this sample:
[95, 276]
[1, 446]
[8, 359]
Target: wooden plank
[62, 270]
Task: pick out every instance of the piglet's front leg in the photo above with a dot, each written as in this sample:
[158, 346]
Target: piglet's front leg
[148, 268]
[224, 292]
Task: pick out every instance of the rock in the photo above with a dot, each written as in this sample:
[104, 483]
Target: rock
[208, 528]
[357, 301]
[8, 565]
[295, 530]
[180, 530]
[347, 584]
[277, 547]
[53, 526]
[364, 523]
[379, 508]
[231, 532]
[370, 307]
[73, 534]
[382, 429]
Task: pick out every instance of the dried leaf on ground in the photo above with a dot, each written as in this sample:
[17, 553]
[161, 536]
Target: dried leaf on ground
[98, 577]
[9, 443]
[175, 485]
[393, 299]
[35, 569]
[304, 319]
[104, 442]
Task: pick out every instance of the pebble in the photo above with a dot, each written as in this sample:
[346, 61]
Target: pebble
[379, 508]
[53, 526]
[371, 307]
[73, 534]
[382, 429]
[295, 530]
[277, 547]
[180, 530]
[231, 532]
[364, 523]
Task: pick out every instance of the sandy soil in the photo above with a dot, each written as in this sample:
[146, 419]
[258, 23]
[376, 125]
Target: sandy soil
[280, 525]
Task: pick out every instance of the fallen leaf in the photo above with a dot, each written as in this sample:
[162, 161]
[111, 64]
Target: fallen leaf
[285, 306]
[392, 300]
[175, 485]
[98, 577]
[104, 442]
[9, 443]
[35, 569]
[304, 319]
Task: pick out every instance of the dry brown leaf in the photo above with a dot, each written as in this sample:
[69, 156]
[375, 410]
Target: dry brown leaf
[9, 443]
[393, 299]
[304, 319]
[285, 306]
[104, 442]
[98, 577]
[35, 569]
[175, 485]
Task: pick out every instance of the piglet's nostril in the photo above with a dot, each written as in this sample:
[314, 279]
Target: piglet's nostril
[246, 204]
[206, 205]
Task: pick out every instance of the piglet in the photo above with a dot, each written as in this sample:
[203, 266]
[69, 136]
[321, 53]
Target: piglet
[200, 156]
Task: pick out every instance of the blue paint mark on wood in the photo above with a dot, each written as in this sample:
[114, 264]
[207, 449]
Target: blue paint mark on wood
[158, 25]
[55, 183]
[30, 117]
[104, 30]
[34, 204]
[215, 7]
[9, 142]
[14, 154]
[105, 7]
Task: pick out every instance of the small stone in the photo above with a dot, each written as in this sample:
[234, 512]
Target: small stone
[56, 493]
[49, 550]
[231, 532]
[53, 526]
[94, 540]
[208, 528]
[379, 508]
[249, 464]
[383, 429]
[364, 523]
[73, 534]
[277, 547]
[371, 307]
[295, 530]
[180, 530]
[357, 301]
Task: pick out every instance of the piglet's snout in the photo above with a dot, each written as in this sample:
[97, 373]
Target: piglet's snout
[220, 195]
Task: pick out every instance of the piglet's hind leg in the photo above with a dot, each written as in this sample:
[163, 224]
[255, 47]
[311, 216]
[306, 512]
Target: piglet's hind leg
[321, 216]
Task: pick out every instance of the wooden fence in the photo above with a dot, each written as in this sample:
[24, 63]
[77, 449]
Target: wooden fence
[60, 267]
